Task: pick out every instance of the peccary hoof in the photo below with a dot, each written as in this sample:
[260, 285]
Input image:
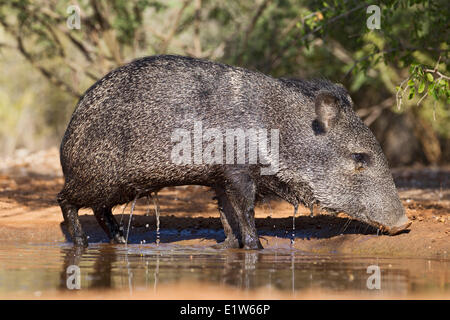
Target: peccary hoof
[118, 239]
[254, 244]
[227, 244]
[80, 242]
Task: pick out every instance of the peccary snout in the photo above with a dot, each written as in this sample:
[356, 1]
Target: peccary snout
[391, 218]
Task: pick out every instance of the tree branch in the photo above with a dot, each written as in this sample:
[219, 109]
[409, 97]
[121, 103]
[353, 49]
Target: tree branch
[275, 60]
[174, 27]
[251, 27]
[197, 42]
[53, 78]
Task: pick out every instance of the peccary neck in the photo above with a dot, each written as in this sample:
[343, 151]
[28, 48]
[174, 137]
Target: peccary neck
[282, 186]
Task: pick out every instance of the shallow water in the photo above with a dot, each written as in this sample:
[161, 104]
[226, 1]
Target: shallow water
[35, 268]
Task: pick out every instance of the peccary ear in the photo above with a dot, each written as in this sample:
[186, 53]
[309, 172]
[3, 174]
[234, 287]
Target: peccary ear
[327, 112]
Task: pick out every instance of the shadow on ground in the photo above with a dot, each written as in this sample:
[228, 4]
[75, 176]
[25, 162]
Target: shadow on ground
[173, 229]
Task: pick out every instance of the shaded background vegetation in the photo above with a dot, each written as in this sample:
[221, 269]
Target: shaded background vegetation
[397, 75]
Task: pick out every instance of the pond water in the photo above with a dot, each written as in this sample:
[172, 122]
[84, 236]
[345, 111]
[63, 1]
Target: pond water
[35, 268]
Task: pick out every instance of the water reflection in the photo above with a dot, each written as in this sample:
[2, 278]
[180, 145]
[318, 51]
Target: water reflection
[136, 267]
[33, 268]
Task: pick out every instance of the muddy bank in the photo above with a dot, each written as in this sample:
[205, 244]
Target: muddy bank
[29, 212]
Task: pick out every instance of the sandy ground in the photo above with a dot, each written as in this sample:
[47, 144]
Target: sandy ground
[29, 212]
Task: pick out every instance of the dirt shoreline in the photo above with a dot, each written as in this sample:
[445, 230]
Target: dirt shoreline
[29, 212]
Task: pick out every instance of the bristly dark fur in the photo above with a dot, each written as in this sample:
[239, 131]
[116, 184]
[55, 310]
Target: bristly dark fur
[118, 144]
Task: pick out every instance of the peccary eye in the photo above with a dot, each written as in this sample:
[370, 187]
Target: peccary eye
[361, 159]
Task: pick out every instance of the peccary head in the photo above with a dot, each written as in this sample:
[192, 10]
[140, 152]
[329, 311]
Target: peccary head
[342, 162]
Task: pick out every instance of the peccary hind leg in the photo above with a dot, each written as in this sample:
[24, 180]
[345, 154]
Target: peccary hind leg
[229, 221]
[70, 214]
[109, 224]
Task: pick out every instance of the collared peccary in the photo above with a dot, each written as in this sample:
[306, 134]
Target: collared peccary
[119, 146]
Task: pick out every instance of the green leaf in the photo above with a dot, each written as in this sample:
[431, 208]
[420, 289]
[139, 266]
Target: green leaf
[430, 77]
[421, 87]
[411, 93]
[411, 83]
[431, 89]
[435, 95]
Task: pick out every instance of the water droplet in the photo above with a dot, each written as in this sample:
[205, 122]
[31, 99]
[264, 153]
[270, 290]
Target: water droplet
[293, 225]
[131, 217]
[156, 204]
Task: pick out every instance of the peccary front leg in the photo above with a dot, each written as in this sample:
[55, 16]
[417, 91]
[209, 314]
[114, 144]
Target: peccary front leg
[70, 214]
[241, 193]
[229, 221]
[109, 224]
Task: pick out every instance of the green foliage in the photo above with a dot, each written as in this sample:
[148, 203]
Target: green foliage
[421, 77]
[408, 56]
